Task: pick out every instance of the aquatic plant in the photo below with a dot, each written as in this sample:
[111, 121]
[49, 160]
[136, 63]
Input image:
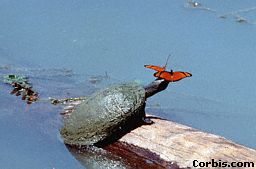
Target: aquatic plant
[21, 87]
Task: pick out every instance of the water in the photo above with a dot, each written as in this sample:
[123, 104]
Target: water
[92, 38]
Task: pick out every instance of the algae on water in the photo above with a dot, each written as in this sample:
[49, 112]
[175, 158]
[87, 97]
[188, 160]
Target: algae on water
[21, 87]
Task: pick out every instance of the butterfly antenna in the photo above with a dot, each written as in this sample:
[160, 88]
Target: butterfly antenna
[167, 61]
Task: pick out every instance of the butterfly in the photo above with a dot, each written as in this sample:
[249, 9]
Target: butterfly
[172, 76]
[168, 76]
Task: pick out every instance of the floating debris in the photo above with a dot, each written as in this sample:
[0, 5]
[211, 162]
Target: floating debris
[223, 16]
[237, 15]
[241, 19]
[66, 100]
[197, 5]
[21, 87]
[194, 4]
[237, 18]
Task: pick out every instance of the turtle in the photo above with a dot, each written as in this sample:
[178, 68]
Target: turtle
[102, 116]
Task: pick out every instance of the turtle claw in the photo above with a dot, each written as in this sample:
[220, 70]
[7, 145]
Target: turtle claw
[147, 120]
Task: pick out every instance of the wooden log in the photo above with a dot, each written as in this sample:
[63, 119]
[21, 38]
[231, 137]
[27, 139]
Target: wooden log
[168, 144]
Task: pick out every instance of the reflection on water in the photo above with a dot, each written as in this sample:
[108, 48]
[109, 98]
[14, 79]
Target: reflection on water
[97, 158]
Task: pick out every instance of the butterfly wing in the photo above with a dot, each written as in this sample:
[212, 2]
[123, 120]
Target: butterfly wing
[156, 68]
[180, 75]
[172, 76]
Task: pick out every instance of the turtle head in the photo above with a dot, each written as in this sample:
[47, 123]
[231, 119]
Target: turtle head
[156, 86]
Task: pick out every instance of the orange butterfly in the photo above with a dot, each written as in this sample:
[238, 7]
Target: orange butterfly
[172, 76]
[168, 76]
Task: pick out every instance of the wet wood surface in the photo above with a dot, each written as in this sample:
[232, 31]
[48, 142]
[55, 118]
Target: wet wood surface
[168, 144]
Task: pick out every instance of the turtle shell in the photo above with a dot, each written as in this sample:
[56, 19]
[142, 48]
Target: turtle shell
[104, 113]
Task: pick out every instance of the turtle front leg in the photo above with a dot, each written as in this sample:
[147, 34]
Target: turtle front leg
[147, 120]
